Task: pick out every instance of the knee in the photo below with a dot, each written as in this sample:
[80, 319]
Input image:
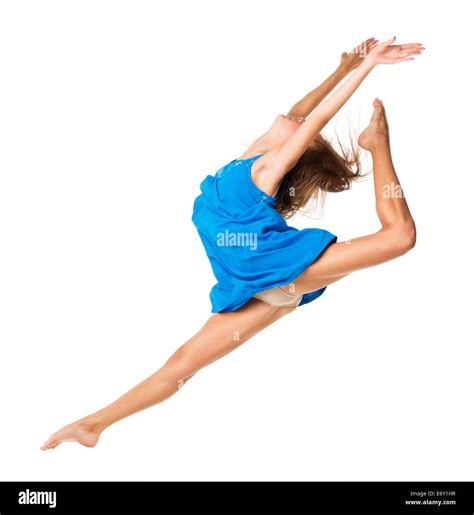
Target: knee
[180, 362]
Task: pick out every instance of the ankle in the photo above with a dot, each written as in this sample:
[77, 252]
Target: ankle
[94, 423]
[381, 146]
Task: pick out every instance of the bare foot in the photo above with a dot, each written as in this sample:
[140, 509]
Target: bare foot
[82, 431]
[377, 130]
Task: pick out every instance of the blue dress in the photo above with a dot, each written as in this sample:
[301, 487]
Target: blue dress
[249, 244]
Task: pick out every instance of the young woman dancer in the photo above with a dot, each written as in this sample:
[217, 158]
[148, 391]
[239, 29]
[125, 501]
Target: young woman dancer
[264, 267]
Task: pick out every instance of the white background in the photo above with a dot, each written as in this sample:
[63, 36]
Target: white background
[111, 114]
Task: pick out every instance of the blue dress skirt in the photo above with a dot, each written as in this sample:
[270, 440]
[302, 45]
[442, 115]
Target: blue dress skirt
[249, 244]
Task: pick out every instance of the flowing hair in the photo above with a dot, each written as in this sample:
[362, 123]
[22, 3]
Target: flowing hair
[319, 170]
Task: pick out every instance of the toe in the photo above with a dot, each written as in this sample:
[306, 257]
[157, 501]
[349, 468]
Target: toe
[378, 103]
[49, 444]
[378, 109]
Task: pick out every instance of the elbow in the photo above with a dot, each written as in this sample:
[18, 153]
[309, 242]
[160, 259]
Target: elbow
[410, 236]
[406, 237]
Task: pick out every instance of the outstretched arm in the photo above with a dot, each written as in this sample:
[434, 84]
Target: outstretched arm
[349, 61]
[287, 155]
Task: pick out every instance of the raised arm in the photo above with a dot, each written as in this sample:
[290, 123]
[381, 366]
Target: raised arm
[287, 155]
[349, 61]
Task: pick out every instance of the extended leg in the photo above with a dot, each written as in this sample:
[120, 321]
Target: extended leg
[221, 334]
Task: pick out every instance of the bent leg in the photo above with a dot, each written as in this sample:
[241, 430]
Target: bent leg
[221, 334]
[397, 234]
[341, 259]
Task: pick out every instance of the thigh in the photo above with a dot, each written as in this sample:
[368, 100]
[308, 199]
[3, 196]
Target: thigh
[224, 332]
[340, 259]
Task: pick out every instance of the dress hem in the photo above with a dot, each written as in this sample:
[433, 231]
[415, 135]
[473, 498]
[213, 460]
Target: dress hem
[307, 297]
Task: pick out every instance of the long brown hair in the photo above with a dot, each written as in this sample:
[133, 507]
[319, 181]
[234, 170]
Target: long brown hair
[319, 170]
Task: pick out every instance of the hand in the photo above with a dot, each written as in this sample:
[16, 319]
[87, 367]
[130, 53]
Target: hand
[387, 53]
[351, 60]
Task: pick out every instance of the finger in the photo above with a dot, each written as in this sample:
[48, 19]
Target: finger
[401, 59]
[399, 51]
[361, 50]
[364, 47]
[389, 41]
[411, 46]
[408, 54]
[370, 43]
[358, 49]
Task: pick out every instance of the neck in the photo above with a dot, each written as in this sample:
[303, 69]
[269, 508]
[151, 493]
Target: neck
[264, 143]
